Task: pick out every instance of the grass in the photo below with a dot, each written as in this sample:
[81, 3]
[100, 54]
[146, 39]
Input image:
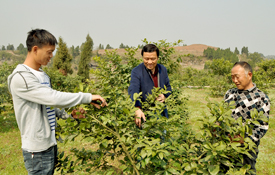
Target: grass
[11, 158]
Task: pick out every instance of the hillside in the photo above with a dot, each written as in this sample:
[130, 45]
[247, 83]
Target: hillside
[194, 49]
[10, 57]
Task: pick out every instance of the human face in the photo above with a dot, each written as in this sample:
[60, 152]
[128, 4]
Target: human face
[150, 60]
[44, 54]
[241, 80]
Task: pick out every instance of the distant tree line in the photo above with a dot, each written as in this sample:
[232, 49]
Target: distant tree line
[21, 49]
[226, 54]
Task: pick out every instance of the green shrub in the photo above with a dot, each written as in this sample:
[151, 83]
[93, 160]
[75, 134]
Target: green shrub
[61, 82]
[163, 146]
[6, 99]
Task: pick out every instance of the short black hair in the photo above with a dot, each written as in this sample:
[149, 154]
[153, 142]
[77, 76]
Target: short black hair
[40, 38]
[244, 65]
[150, 48]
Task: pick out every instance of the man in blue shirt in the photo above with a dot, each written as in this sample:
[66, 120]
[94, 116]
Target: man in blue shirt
[145, 77]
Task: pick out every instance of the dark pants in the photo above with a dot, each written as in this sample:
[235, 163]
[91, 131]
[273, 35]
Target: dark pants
[251, 161]
[41, 162]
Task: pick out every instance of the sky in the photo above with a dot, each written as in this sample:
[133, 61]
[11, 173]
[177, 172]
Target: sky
[218, 23]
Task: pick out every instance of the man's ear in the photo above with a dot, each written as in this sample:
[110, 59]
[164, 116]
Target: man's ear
[34, 49]
[250, 75]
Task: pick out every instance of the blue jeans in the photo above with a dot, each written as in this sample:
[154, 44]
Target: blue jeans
[41, 162]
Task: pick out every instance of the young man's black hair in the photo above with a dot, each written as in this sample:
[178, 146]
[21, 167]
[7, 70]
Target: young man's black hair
[40, 37]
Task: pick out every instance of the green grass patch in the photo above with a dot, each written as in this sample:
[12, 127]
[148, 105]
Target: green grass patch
[11, 158]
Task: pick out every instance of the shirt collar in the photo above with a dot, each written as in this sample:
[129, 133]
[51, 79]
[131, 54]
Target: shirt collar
[248, 90]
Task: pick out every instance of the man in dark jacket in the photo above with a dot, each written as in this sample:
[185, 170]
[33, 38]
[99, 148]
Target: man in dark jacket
[145, 77]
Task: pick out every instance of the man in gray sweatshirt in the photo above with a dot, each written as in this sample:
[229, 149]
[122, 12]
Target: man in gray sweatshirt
[36, 104]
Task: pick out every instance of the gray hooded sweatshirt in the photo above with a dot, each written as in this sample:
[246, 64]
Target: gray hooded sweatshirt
[30, 99]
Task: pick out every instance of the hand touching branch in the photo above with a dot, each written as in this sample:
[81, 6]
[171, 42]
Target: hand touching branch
[95, 99]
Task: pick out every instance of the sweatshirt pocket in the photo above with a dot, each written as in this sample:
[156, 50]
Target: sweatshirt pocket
[43, 129]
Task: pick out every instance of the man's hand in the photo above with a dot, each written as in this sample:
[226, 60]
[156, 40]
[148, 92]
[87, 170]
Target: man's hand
[78, 116]
[161, 98]
[96, 98]
[138, 116]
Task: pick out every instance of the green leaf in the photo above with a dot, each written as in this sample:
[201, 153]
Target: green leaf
[173, 171]
[193, 165]
[147, 160]
[123, 167]
[255, 122]
[149, 152]
[110, 172]
[207, 147]
[161, 155]
[81, 87]
[207, 157]
[213, 169]
[221, 147]
[235, 145]
[212, 119]
[143, 153]
[105, 143]
[123, 138]
[187, 168]
[153, 153]
[62, 154]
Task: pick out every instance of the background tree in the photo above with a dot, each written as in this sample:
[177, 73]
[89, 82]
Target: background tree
[140, 46]
[108, 46]
[10, 47]
[236, 51]
[226, 54]
[100, 46]
[3, 47]
[72, 52]
[22, 49]
[85, 57]
[62, 59]
[245, 50]
[209, 53]
[254, 58]
[76, 51]
[81, 47]
[121, 46]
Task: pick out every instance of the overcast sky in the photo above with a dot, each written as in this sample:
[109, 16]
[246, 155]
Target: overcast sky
[219, 23]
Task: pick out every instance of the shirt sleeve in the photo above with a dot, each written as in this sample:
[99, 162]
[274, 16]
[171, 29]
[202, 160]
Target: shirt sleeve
[259, 131]
[61, 113]
[167, 84]
[27, 87]
[134, 86]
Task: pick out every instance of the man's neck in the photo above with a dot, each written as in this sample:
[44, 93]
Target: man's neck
[251, 85]
[154, 70]
[29, 61]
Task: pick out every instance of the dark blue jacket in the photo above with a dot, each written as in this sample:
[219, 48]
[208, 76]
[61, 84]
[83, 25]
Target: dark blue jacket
[141, 81]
